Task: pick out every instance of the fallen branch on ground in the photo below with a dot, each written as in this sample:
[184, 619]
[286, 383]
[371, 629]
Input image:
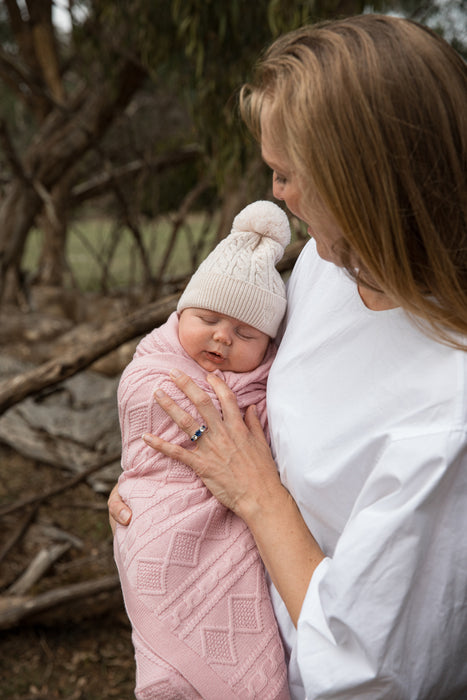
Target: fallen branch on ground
[37, 568]
[70, 483]
[20, 530]
[15, 609]
[111, 336]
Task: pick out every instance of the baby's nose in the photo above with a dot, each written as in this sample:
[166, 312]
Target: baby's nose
[221, 335]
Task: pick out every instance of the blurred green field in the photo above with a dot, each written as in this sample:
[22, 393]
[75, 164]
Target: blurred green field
[102, 256]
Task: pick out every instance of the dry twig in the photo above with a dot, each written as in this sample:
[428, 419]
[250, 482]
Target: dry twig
[14, 609]
[37, 568]
[112, 335]
[19, 532]
[70, 483]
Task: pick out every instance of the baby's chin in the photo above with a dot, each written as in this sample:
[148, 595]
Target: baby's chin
[209, 366]
[224, 366]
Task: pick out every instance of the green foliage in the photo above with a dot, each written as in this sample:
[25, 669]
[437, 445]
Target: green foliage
[223, 42]
[206, 49]
[197, 54]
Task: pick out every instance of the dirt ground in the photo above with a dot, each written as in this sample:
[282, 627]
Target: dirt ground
[81, 654]
[81, 650]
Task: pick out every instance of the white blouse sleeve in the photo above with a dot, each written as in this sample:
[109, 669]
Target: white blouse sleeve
[383, 615]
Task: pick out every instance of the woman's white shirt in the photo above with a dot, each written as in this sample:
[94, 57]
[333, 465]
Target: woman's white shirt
[368, 423]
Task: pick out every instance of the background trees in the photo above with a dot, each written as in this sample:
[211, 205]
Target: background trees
[135, 101]
[131, 93]
[126, 112]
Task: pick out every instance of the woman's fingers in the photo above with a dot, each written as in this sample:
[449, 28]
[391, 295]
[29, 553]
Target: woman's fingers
[194, 460]
[214, 420]
[227, 400]
[197, 396]
[230, 420]
[118, 510]
[171, 450]
[253, 424]
[233, 457]
[184, 420]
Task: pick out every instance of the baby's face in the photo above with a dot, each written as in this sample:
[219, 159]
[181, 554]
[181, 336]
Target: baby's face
[216, 341]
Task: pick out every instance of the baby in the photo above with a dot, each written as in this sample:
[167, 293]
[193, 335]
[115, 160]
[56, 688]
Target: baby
[193, 582]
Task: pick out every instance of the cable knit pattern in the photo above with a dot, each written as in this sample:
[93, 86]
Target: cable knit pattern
[238, 277]
[192, 579]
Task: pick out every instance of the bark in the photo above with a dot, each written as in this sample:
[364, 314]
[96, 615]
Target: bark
[37, 50]
[113, 335]
[98, 344]
[19, 531]
[37, 568]
[62, 140]
[45, 46]
[100, 183]
[54, 224]
[43, 497]
[16, 609]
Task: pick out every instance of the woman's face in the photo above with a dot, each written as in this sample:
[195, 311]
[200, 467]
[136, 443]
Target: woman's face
[287, 187]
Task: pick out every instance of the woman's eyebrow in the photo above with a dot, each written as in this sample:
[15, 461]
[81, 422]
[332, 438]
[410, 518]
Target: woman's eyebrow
[267, 162]
[271, 164]
[264, 156]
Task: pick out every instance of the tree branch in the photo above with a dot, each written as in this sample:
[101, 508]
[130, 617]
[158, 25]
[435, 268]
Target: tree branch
[19, 532]
[10, 153]
[14, 609]
[41, 563]
[101, 342]
[69, 484]
[101, 182]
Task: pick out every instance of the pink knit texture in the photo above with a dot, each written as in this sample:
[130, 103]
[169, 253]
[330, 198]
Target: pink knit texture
[192, 579]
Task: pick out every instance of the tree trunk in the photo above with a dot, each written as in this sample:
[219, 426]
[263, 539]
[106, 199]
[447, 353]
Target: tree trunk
[61, 142]
[54, 225]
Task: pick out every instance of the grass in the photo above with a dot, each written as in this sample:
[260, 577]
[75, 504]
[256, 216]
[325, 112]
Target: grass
[100, 255]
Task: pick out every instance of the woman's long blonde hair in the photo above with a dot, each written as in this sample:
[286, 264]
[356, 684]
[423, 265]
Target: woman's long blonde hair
[373, 111]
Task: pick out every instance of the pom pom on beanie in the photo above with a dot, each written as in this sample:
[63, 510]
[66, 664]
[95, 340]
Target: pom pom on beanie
[239, 277]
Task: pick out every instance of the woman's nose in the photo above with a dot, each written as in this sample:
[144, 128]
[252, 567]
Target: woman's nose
[277, 189]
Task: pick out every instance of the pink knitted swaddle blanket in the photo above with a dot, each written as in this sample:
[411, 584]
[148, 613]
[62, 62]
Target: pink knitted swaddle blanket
[192, 579]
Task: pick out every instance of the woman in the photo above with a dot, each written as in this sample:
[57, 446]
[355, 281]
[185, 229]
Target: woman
[357, 513]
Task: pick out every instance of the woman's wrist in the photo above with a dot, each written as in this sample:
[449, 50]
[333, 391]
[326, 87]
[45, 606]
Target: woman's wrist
[263, 491]
[257, 507]
[288, 549]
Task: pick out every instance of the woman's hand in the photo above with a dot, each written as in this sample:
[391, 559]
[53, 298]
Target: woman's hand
[118, 510]
[232, 457]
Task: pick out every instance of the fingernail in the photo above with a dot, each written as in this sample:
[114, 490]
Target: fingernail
[124, 515]
[175, 372]
[159, 393]
[146, 437]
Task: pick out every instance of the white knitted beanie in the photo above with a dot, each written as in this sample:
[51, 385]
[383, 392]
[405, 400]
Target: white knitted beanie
[239, 277]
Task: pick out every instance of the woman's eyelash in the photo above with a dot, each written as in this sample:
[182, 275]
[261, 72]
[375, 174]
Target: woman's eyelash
[280, 179]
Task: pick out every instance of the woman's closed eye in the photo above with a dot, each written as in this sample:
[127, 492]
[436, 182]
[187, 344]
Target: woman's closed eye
[280, 179]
